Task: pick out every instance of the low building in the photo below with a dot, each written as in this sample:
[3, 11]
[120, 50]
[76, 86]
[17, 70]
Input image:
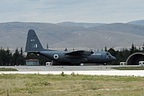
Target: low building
[141, 63]
[48, 63]
[32, 62]
[122, 63]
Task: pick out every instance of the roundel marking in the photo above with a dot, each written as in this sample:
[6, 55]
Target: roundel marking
[56, 56]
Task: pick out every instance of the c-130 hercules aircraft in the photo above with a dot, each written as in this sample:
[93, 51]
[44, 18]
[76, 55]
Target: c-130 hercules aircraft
[58, 57]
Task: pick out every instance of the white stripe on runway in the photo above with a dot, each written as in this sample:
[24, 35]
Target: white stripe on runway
[99, 72]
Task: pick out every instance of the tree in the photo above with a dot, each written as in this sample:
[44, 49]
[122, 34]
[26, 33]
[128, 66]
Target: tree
[21, 57]
[18, 58]
[106, 48]
[15, 56]
[5, 57]
[8, 57]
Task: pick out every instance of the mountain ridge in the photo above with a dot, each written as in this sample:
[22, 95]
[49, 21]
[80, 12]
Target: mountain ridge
[58, 35]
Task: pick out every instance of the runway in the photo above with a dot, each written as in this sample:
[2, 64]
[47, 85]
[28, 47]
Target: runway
[59, 68]
[81, 70]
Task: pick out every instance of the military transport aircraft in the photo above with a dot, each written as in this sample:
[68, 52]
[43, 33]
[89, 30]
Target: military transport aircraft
[58, 57]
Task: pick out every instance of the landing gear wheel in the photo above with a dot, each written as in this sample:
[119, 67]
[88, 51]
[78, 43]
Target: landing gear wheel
[105, 64]
[54, 63]
[77, 64]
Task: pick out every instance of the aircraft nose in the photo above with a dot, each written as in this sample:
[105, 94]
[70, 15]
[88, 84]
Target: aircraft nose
[113, 58]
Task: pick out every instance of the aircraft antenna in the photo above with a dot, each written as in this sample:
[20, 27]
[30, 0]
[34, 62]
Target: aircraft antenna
[47, 46]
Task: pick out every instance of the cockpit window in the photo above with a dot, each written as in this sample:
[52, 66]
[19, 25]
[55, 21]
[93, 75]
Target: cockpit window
[107, 53]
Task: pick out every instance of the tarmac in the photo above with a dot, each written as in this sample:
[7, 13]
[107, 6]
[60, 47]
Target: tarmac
[82, 70]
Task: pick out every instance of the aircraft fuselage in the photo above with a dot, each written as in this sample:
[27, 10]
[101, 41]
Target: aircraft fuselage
[60, 58]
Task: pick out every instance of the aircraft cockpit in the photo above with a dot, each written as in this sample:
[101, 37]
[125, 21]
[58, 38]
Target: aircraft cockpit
[108, 55]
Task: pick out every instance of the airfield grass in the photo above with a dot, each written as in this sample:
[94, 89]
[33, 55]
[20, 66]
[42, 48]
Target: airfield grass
[70, 85]
[8, 69]
[129, 68]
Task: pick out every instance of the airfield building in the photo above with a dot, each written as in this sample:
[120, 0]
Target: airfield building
[32, 62]
[135, 58]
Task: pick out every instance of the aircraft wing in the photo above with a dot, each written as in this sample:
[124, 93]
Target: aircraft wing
[79, 53]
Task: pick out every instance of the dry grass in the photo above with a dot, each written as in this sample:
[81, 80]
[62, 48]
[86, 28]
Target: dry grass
[129, 68]
[70, 85]
[8, 69]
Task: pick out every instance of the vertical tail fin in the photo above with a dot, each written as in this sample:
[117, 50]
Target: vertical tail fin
[33, 44]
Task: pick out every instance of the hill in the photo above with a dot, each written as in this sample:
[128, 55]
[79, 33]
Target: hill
[137, 22]
[86, 25]
[73, 35]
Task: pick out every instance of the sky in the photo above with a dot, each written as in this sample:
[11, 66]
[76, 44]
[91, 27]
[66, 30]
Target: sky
[55, 11]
